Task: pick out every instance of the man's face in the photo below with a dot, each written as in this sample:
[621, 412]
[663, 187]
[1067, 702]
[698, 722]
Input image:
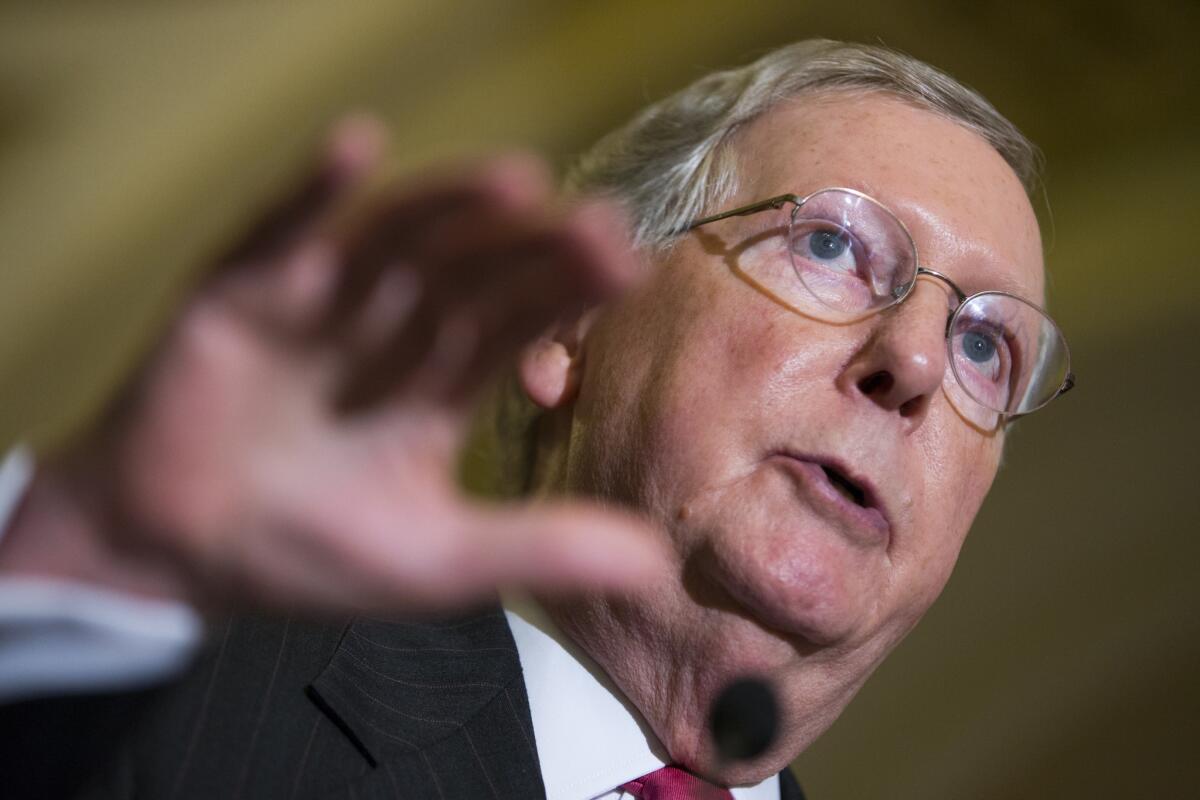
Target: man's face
[722, 414]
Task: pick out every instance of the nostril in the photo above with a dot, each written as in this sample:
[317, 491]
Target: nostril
[876, 382]
[915, 406]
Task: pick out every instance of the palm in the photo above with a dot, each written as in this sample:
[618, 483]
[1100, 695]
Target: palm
[293, 439]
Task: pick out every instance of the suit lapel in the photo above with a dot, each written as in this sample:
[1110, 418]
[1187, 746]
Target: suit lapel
[789, 787]
[439, 708]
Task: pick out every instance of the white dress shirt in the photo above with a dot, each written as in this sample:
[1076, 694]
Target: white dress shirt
[59, 637]
[590, 740]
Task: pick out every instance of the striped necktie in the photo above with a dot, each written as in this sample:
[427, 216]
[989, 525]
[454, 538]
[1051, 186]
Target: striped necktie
[673, 783]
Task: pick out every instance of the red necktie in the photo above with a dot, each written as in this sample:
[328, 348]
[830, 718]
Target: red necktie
[673, 783]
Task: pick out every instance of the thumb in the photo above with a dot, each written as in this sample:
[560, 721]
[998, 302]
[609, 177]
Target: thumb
[577, 546]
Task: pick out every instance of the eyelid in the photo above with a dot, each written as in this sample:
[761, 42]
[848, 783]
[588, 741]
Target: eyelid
[857, 247]
[978, 324]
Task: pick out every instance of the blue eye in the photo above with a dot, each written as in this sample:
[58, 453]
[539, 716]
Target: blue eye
[826, 245]
[977, 347]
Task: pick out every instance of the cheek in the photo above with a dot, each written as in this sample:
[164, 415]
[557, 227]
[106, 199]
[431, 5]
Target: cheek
[961, 465]
[676, 381]
[731, 364]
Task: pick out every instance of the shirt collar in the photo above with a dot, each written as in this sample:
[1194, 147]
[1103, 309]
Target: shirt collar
[16, 472]
[590, 739]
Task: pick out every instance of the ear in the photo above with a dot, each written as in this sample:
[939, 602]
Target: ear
[549, 368]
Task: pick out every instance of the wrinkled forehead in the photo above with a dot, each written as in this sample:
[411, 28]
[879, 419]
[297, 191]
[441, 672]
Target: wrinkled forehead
[964, 206]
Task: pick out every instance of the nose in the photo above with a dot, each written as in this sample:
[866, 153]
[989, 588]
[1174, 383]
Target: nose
[903, 361]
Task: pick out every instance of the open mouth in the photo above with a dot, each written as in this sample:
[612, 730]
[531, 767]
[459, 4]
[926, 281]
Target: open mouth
[846, 487]
[851, 502]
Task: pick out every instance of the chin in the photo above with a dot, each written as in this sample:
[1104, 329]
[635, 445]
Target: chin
[802, 600]
[760, 550]
[809, 696]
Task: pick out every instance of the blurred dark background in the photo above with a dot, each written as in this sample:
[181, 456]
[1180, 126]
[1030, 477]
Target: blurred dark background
[136, 138]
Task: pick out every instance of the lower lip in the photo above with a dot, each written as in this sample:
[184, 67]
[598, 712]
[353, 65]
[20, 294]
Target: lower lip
[863, 525]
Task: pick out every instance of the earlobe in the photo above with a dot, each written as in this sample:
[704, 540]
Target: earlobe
[548, 373]
[551, 367]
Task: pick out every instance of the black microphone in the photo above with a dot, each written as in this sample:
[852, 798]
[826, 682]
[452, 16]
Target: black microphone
[744, 719]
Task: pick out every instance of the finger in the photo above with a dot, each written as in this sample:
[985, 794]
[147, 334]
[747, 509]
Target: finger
[473, 253]
[588, 265]
[474, 345]
[566, 546]
[517, 276]
[541, 547]
[582, 253]
[395, 298]
[282, 274]
[353, 148]
[425, 337]
[399, 231]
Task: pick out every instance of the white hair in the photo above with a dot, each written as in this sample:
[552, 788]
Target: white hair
[671, 163]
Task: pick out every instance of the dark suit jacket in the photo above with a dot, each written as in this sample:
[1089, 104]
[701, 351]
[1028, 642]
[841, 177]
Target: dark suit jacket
[372, 709]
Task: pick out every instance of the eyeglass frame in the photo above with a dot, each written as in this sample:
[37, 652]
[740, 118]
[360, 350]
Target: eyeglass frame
[777, 202]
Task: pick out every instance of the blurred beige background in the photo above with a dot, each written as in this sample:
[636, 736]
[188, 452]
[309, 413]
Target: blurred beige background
[1063, 660]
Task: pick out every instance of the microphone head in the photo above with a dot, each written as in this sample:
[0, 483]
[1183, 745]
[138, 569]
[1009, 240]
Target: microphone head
[744, 719]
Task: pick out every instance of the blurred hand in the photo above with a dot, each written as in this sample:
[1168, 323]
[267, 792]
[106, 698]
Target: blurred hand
[291, 442]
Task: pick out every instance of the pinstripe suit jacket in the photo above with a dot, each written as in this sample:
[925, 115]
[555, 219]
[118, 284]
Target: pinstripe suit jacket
[370, 709]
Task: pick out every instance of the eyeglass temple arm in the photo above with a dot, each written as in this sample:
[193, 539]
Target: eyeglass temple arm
[1067, 385]
[741, 211]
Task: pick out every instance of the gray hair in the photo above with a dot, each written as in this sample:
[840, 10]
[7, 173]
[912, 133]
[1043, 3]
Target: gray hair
[671, 163]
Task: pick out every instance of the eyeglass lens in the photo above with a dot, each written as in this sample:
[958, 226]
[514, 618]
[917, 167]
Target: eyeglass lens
[1006, 353]
[850, 253]
[845, 256]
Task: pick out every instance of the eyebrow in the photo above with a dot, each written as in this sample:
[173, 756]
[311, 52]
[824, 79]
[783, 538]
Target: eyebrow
[990, 276]
[1004, 283]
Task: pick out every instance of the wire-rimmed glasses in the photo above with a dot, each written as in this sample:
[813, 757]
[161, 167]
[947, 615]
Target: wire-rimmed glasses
[839, 255]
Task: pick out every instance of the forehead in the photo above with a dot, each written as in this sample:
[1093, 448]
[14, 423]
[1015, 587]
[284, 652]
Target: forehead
[965, 207]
